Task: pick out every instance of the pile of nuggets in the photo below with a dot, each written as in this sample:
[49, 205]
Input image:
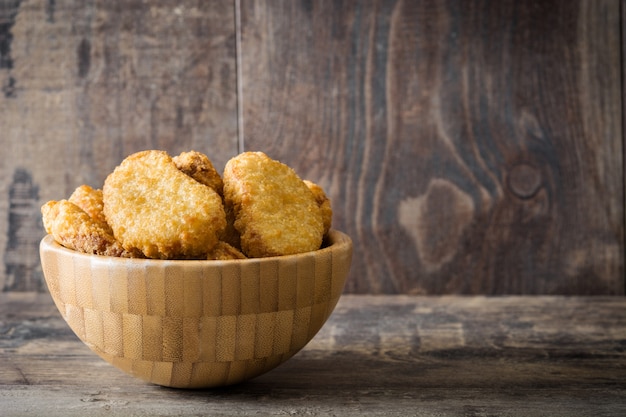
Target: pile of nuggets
[161, 207]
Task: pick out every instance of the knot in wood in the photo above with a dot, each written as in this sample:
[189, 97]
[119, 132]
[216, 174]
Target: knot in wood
[524, 180]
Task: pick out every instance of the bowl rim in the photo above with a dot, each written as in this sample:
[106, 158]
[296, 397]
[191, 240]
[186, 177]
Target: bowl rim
[335, 240]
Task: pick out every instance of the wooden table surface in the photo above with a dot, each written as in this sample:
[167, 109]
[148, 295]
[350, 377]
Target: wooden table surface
[377, 355]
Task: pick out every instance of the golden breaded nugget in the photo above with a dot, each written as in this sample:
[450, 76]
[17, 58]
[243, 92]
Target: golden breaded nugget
[324, 204]
[73, 228]
[152, 206]
[276, 213]
[224, 251]
[90, 200]
[199, 167]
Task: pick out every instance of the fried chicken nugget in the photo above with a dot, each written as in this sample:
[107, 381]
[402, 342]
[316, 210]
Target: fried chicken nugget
[73, 228]
[275, 212]
[224, 252]
[152, 206]
[324, 204]
[199, 167]
[90, 200]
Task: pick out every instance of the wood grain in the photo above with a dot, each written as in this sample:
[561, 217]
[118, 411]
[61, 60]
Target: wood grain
[85, 83]
[376, 356]
[468, 147]
[199, 324]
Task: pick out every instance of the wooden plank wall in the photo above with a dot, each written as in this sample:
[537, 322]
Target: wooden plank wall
[85, 83]
[469, 147]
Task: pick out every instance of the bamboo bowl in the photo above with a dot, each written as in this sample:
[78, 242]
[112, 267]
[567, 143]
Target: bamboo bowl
[196, 324]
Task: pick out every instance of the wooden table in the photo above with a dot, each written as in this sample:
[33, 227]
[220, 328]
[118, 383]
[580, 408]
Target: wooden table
[377, 355]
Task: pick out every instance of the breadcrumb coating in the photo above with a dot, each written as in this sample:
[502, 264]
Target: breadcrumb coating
[275, 212]
[90, 200]
[199, 167]
[162, 207]
[73, 228]
[224, 252]
[324, 204]
[152, 206]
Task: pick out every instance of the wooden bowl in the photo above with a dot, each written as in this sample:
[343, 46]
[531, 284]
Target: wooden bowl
[195, 324]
